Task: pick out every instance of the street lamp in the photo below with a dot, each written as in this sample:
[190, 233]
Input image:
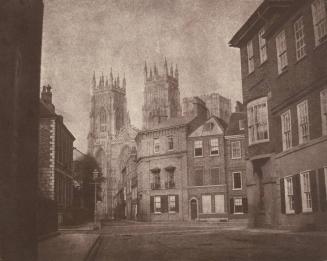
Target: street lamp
[95, 178]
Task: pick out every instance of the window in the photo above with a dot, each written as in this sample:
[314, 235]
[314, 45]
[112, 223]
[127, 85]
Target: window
[323, 104]
[286, 130]
[319, 20]
[289, 195]
[103, 120]
[155, 181]
[206, 204]
[236, 149]
[306, 192]
[299, 38]
[281, 51]
[198, 149]
[237, 180]
[250, 57]
[219, 204]
[215, 176]
[156, 145]
[208, 126]
[157, 204]
[262, 46]
[214, 147]
[238, 206]
[198, 177]
[172, 203]
[241, 124]
[170, 143]
[170, 180]
[258, 121]
[303, 122]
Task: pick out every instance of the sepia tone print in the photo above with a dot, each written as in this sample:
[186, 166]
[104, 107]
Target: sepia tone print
[163, 130]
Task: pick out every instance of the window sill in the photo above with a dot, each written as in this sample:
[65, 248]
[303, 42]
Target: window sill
[237, 189]
[263, 63]
[238, 213]
[172, 212]
[198, 156]
[301, 59]
[214, 155]
[157, 213]
[236, 158]
[284, 70]
[321, 43]
[259, 142]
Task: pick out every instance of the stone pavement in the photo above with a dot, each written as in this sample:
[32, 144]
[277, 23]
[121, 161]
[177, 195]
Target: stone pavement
[68, 246]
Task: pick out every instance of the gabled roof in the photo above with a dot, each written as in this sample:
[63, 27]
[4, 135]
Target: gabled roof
[260, 15]
[234, 124]
[213, 126]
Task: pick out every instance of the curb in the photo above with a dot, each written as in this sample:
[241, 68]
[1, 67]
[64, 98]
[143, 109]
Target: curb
[47, 236]
[93, 249]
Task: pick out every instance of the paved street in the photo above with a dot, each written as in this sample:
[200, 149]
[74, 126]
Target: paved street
[124, 241]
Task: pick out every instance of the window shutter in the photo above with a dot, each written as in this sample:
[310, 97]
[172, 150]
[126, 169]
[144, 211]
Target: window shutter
[164, 204]
[282, 196]
[151, 204]
[313, 189]
[322, 189]
[297, 193]
[245, 205]
[177, 203]
[231, 207]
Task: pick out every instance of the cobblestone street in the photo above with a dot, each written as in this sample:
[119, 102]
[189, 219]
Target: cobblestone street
[122, 241]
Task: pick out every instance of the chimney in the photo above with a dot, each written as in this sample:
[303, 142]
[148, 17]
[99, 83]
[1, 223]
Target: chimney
[46, 97]
[199, 108]
[239, 107]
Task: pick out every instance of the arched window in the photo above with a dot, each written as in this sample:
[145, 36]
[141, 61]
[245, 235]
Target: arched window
[103, 120]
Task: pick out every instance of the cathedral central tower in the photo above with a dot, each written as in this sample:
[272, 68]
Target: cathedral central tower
[161, 95]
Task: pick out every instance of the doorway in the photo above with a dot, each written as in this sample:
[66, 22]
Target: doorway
[194, 209]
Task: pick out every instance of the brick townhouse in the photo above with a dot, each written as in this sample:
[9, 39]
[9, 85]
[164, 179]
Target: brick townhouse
[55, 157]
[284, 82]
[162, 166]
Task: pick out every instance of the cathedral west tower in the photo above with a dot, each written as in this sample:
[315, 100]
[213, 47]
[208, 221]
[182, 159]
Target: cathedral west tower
[161, 95]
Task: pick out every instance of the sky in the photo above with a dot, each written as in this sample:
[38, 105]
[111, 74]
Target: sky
[85, 36]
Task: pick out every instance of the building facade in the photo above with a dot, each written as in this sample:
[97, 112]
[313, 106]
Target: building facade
[162, 167]
[161, 95]
[235, 157]
[283, 49]
[110, 132]
[217, 105]
[206, 177]
[55, 157]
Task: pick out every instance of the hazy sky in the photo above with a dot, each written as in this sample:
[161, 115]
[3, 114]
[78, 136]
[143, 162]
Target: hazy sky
[82, 36]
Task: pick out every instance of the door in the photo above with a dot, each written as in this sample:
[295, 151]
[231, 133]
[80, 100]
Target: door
[194, 209]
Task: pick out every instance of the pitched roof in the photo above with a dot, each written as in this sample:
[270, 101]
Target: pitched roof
[233, 126]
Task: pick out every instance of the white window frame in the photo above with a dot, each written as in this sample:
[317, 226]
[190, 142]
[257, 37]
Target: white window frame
[258, 123]
[170, 140]
[197, 145]
[281, 47]
[206, 209]
[236, 146]
[306, 192]
[319, 15]
[219, 198]
[250, 54]
[157, 202]
[303, 122]
[233, 174]
[323, 105]
[286, 130]
[262, 46]
[289, 195]
[299, 38]
[156, 145]
[171, 203]
[214, 147]
[236, 200]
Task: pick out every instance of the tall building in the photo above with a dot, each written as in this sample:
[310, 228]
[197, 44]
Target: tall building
[55, 158]
[110, 131]
[217, 105]
[284, 82]
[161, 95]
[20, 64]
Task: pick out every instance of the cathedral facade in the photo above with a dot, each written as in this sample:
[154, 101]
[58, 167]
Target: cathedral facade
[161, 95]
[110, 134]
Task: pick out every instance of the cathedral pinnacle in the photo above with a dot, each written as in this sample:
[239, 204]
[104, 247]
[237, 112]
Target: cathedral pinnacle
[94, 82]
[166, 66]
[124, 82]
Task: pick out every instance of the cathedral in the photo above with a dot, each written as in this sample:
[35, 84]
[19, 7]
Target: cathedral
[161, 95]
[110, 134]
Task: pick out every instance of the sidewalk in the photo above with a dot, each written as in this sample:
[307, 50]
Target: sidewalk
[67, 246]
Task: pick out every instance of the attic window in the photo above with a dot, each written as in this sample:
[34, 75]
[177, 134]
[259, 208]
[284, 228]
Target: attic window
[241, 124]
[208, 126]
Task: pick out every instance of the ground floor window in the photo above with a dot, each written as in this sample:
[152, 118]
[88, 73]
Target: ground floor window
[306, 192]
[206, 204]
[172, 203]
[238, 205]
[157, 204]
[164, 204]
[219, 203]
[289, 195]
